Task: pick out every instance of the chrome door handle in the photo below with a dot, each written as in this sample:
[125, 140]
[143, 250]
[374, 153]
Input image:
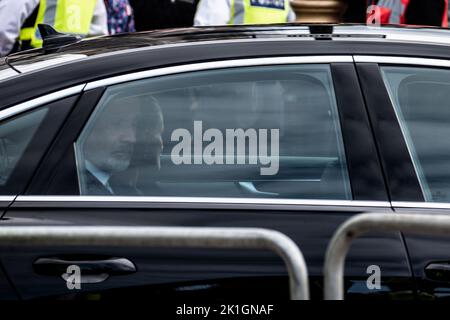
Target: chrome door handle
[92, 271]
[438, 271]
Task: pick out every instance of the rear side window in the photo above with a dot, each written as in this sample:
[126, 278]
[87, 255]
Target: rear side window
[421, 98]
[270, 132]
[15, 136]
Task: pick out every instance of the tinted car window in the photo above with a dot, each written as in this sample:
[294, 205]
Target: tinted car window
[421, 97]
[268, 132]
[15, 136]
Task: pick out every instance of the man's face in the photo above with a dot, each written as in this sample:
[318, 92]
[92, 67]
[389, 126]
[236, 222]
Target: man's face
[112, 140]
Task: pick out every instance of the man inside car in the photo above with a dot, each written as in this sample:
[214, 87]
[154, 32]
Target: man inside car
[123, 145]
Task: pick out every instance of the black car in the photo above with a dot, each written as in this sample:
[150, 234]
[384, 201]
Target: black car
[294, 128]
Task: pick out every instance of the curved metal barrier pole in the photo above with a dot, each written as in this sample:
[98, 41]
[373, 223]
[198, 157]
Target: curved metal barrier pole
[425, 224]
[170, 237]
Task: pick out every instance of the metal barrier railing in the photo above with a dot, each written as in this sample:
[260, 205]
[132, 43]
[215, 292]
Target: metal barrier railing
[424, 224]
[170, 237]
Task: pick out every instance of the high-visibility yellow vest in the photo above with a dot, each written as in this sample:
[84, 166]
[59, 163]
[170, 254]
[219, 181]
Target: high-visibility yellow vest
[67, 16]
[259, 11]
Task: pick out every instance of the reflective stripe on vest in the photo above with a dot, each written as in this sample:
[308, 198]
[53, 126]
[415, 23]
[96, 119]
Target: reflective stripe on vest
[259, 11]
[26, 34]
[67, 16]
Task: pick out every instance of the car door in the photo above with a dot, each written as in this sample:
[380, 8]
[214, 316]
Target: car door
[24, 138]
[282, 143]
[415, 97]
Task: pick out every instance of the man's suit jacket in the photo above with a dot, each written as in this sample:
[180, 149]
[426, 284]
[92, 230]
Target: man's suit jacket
[94, 187]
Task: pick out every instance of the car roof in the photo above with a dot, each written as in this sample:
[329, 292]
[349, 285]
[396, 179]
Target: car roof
[38, 59]
[34, 73]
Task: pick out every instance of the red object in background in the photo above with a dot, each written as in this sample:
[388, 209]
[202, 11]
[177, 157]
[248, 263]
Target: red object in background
[385, 15]
[405, 5]
[445, 17]
[386, 12]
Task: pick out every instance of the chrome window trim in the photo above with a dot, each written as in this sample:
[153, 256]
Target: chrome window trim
[217, 65]
[7, 198]
[203, 200]
[34, 103]
[403, 61]
[420, 205]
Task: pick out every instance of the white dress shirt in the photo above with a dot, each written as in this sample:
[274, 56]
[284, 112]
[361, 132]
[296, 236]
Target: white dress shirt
[218, 12]
[100, 175]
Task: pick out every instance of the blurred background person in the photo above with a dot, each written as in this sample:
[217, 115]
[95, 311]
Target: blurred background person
[161, 14]
[356, 11]
[413, 12]
[13, 14]
[429, 12]
[392, 11]
[222, 12]
[21, 18]
[120, 16]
